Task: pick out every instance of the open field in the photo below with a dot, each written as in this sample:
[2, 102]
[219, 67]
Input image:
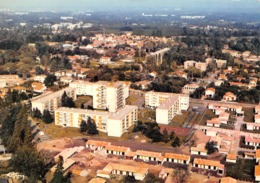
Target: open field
[179, 120]
[249, 114]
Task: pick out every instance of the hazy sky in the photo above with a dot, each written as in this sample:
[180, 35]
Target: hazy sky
[74, 5]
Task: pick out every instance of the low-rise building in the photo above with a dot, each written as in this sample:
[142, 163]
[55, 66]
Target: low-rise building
[209, 165]
[117, 150]
[221, 63]
[231, 158]
[189, 88]
[257, 118]
[199, 150]
[176, 158]
[148, 156]
[39, 78]
[229, 97]
[252, 141]
[137, 172]
[96, 145]
[210, 92]
[214, 122]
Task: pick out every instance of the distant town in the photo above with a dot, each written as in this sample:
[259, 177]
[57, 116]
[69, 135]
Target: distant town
[158, 97]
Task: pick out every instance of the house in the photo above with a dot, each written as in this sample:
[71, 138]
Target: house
[222, 77]
[202, 66]
[153, 74]
[189, 63]
[199, 150]
[252, 141]
[253, 126]
[143, 84]
[138, 172]
[116, 150]
[219, 82]
[257, 173]
[229, 97]
[105, 60]
[176, 158]
[208, 165]
[66, 165]
[214, 122]
[95, 145]
[223, 117]
[249, 155]
[257, 155]
[257, 109]
[221, 63]
[67, 153]
[189, 88]
[66, 79]
[210, 92]
[231, 158]
[257, 118]
[38, 87]
[228, 180]
[148, 156]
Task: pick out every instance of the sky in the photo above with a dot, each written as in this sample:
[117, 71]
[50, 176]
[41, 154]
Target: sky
[123, 5]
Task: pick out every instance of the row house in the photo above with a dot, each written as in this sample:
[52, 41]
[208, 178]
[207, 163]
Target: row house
[176, 158]
[148, 156]
[210, 92]
[96, 145]
[116, 150]
[209, 165]
[139, 173]
[67, 153]
[252, 141]
[252, 126]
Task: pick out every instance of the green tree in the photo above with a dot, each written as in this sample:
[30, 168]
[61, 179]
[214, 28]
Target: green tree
[83, 126]
[29, 162]
[47, 117]
[36, 113]
[176, 142]
[211, 147]
[151, 178]
[67, 101]
[92, 127]
[165, 136]
[49, 80]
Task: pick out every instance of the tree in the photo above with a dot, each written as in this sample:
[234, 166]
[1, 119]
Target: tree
[176, 142]
[82, 106]
[28, 162]
[165, 135]
[39, 70]
[47, 117]
[49, 80]
[92, 127]
[83, 126]
[67, 101]
[211, 147]
[36, 113]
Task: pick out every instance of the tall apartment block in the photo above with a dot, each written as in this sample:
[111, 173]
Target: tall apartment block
[51, 100]
[113, 123]
[167, 105]
[106, 95]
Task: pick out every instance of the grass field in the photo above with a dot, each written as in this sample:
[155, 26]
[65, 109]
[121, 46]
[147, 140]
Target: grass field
[179, 120]
[82, 99]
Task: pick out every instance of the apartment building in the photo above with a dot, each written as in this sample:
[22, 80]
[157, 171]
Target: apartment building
[115, 124]
[167, 105]
[51, 100]
[106, 95]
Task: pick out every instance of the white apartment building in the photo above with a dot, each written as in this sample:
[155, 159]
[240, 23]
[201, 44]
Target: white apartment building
[114, 124]
[51, 101]
[167, 105]
[106, 95]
